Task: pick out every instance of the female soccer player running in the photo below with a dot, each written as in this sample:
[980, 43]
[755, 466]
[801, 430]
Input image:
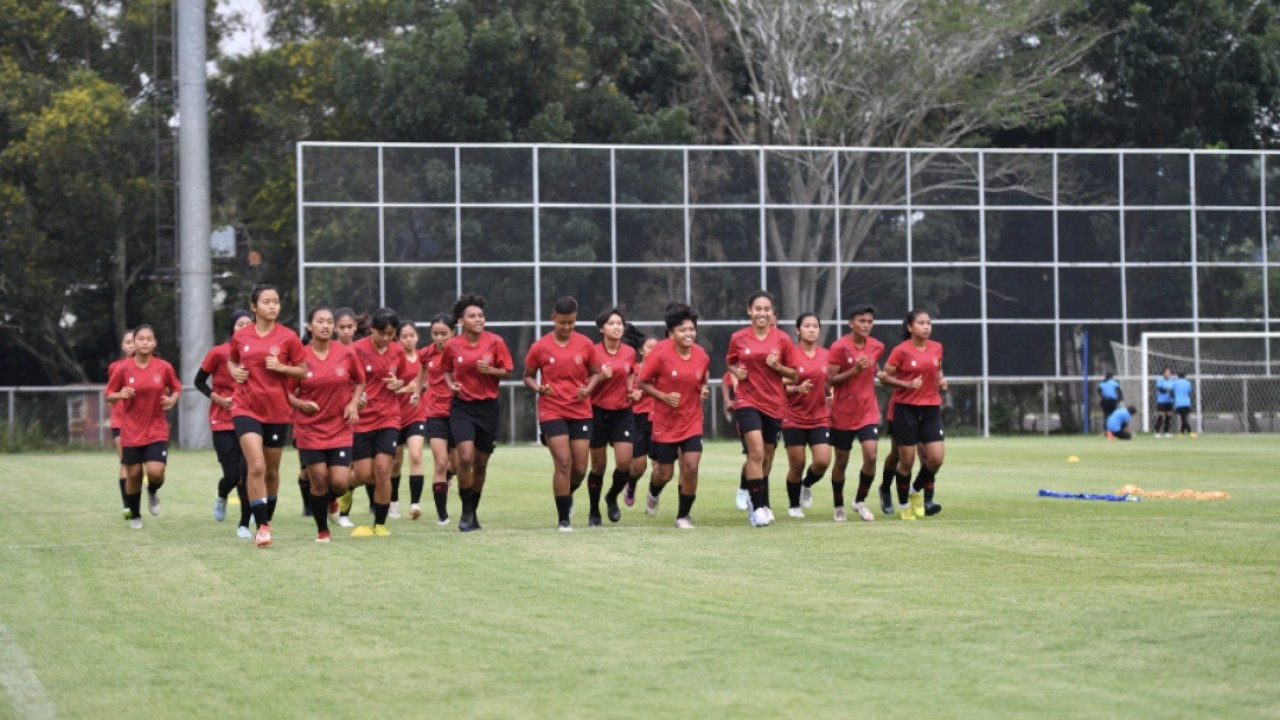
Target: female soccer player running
[565, 359]
[806, 421]
[147, 387]
[474, 363]
[326, 406]
[855, 415]
[611, 418]
[641, 411]
[225, 446]
[676, 375]
[349, 328]
[117, 416]
[264, 356]
[413, 421]
[917, 361]
[761, 356]
[436, 398]
[374, 444]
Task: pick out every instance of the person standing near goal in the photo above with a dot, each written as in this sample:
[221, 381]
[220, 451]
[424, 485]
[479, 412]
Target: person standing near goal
[1182, 404]
[1164, 403]
[1110, 394]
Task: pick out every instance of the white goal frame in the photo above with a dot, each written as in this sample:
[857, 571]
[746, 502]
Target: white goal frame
[1148, 377]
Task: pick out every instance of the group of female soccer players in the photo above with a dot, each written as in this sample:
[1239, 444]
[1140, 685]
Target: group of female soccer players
[362, 397]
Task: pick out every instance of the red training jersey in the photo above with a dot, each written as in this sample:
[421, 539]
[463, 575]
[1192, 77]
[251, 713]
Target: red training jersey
[215, 363]
[854, 404]
[461, 356]
[117, 409]
[382, 410]
[565, 369]
[143, 420]
[330, 383]
[409, 412]
[913, 363]
[613, 393]
[435, 399]
[809, 410]
[666, 371]
[762, 388]
[264, 395]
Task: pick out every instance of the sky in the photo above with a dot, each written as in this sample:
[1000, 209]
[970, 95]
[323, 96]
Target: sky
[249, 37]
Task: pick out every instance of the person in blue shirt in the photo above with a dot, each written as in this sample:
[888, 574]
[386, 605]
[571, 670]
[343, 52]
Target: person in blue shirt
[1164, 403]
[1182, 403]
[1118, 423]
[1109, 389]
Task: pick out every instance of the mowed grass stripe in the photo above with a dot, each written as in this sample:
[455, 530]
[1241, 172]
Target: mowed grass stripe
[1005, 605]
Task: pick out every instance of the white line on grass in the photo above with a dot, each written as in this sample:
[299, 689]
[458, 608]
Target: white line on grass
[26, 692]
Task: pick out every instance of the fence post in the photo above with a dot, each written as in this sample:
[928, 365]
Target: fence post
[1044, 393]
[12, 417]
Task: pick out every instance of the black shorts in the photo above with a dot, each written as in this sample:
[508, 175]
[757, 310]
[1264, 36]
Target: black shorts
[1108, 406]
[155, 452]
[917, 424]
[751, 419]
[115, 432]
[474, 421]
[666, 453]
[374, 442]
[806, 437]
[336, 457]
[418, 429]
[226, 447]
[843, 439]
[643, 432]
[274, 435]
[611, 426]
[438, 429]
[1164, 407]
[579, 429]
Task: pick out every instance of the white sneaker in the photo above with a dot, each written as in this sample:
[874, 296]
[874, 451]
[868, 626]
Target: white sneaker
[415, 511]
[743, 499]
[864, 512]
[244, 533]
[565, 526]
[345, 521]
[684, 523]
[839, 515]
[795, 512]
[443, 521]
[768, 512]
[758, 517]
[806, 497]
[135, 523]
[153, 504]
[651, 505]
[393, 512]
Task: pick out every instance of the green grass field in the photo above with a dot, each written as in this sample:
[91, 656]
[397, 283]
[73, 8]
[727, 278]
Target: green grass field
[1005, 605]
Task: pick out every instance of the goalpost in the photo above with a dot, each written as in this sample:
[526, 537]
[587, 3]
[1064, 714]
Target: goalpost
[1235, 376]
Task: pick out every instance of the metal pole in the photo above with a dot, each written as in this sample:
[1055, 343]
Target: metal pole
[1044, 393]
[1084, 351]
[12, 417]
[195, 266]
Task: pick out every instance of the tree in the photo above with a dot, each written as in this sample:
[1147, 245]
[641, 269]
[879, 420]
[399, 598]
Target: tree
[1181, 73]
[877, 73]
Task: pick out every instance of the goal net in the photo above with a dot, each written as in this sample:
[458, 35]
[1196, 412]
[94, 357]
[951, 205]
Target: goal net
[1235, 377]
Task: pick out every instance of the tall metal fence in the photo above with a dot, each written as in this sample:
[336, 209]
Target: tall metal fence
[1017, 254]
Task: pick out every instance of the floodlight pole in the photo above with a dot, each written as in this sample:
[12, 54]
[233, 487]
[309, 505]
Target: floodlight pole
[195, 273]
